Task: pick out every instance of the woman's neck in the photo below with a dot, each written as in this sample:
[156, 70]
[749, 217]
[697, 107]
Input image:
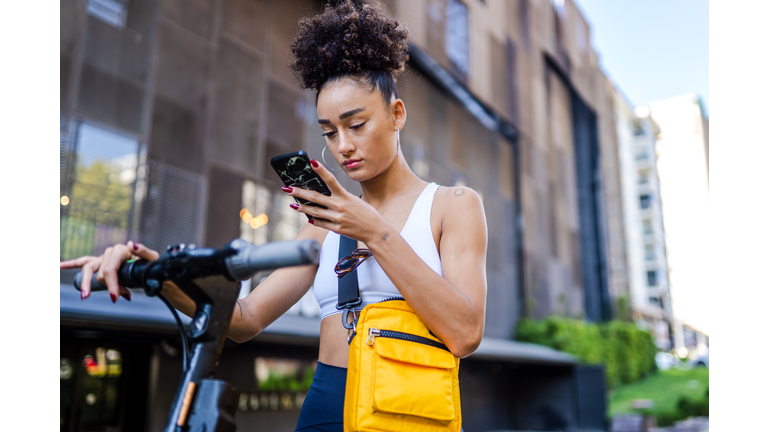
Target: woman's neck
[398, 179]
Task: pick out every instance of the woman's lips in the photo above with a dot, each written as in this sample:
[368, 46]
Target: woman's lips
[352, 163]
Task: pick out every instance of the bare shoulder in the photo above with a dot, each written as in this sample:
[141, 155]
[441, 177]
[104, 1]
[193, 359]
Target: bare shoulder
[459, 204]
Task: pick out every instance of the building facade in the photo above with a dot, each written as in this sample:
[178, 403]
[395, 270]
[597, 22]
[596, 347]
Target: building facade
[650, 300]
[683, 167]
[171, 110]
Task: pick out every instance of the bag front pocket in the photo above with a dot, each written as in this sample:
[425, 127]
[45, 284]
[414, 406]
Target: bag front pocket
[413, 377]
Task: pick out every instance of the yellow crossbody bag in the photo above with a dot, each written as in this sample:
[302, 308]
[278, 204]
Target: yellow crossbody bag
[400, 376]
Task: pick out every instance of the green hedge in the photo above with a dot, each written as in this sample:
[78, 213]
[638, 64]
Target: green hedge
[686, 407]
[627, 352]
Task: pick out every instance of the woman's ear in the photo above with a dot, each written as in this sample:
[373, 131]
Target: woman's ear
[398, 114]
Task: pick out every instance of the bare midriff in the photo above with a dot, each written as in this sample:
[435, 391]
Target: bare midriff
[334, 349]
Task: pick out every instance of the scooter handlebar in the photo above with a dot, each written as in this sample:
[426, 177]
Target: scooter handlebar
[248, 260]
[251, 259]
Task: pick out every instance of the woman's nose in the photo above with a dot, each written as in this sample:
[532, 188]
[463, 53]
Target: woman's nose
[345, 144]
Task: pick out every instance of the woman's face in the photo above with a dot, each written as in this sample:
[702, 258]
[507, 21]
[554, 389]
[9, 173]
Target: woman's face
[359, 128]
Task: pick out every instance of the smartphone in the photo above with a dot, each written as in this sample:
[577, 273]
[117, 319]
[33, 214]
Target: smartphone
[295, 171]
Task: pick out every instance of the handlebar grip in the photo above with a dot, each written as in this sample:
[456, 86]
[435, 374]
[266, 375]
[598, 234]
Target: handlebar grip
[95, 284]
[128, 275]
[252, 259]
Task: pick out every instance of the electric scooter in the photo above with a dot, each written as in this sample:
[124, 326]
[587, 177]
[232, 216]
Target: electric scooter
[211, 278]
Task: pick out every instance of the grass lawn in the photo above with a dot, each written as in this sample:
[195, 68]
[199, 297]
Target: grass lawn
[664, 388]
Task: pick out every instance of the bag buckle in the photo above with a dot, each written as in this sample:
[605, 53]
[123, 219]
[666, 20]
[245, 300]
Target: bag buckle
[345, 315]
[346, 307]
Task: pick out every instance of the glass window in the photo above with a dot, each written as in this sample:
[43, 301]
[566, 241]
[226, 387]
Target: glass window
[641, 154]
[457, 35]
[69, 35]
[112, 12]
[253, 215]
[650, 253]
[642, 178]
[645, 201]
[647, 228]
[289, 221]
[100, 371]
[116, 61]
[281, 384]
[97, 204]
[651, 278]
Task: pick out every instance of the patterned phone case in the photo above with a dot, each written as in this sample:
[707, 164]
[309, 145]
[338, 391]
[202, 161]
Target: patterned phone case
[295, 171]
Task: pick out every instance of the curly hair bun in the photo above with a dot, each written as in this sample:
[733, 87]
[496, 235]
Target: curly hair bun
[347, 38]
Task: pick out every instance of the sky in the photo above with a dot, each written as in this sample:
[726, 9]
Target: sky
[652, 49]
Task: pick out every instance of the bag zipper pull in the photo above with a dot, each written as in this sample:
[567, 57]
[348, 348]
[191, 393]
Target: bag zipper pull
[372, 333]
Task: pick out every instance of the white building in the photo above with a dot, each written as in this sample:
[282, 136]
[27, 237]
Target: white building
[643, 221]
[683, 166]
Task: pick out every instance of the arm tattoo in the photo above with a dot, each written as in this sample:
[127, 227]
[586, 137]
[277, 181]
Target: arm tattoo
[459, 192]
[241, 308]
[386, 236]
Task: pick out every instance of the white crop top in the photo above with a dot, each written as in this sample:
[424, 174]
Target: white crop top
[373, 283]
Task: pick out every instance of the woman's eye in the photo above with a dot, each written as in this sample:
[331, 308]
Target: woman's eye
[356, 127]
[329, 134]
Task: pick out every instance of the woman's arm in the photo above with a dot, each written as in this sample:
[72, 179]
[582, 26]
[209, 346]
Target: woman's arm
[267, 302]
[452, 306]
[273, 297]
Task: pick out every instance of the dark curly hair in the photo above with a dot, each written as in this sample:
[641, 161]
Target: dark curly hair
[350, 39]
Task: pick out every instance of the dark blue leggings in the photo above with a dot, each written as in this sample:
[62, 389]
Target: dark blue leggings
[323, 408]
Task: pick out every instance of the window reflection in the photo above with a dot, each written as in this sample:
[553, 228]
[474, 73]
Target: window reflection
[457, 35]
[282, 384]
[255, 208]
[112, 12]
[100, 195]
[100, 384]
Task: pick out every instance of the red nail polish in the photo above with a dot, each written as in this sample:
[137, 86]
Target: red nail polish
[126, 296]
[311, 221]
[295, 206]
[114, 297]
[82, 296]
[287, 189]
[314, 163]
[135, 246]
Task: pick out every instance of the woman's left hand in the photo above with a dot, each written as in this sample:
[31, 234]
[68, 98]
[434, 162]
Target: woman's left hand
[346, 214]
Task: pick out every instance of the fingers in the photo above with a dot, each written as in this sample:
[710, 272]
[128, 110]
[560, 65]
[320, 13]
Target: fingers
[124, 293]
[314, 211]
[325, 224]
[85, 284]
[311, 196]
[328, 178]
[106, 268]
[76, 263]
[113, 258]
[142, 251]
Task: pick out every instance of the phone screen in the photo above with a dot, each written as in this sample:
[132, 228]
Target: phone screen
[295, 170]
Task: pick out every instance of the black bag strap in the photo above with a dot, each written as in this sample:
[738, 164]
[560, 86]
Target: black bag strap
[349, 293]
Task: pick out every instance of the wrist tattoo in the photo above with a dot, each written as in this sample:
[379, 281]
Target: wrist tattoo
[241, 308]
[386, 236]
[459, 192]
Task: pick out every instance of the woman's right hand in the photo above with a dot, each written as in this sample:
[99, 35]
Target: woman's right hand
[106, 267]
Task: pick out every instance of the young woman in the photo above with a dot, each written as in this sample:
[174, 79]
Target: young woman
[428, 241]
